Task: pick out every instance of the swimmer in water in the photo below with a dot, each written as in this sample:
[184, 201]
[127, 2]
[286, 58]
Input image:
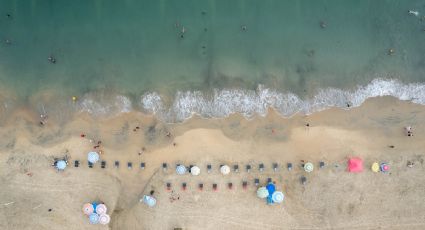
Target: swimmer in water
[412, 12]
[51, 59]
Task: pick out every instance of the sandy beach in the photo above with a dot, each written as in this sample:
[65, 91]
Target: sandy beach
[332, 198]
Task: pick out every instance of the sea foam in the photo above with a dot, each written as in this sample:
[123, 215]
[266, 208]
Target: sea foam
[224, 102]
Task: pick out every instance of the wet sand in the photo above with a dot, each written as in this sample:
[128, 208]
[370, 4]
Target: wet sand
[331, 199]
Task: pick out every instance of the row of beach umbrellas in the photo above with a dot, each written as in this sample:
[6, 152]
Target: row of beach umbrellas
[195, 170]
[96, 213]
[92, 157]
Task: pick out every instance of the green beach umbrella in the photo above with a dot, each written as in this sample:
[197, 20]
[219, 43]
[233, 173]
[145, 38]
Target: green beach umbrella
[262, 192]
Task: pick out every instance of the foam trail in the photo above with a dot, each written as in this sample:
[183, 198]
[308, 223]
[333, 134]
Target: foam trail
[249, 103]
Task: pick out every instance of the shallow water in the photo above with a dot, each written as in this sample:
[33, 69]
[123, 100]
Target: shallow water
[133, 48]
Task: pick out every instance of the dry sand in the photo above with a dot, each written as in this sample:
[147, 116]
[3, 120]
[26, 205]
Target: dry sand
[331, 199]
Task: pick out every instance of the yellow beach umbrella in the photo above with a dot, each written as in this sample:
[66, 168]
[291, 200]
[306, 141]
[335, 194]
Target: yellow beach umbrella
[375, 167]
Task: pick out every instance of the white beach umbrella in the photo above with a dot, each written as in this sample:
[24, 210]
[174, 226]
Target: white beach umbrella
[181, 169]
[104, 219]
[225, 169]
[88, 208]
[149, 200]
[195, 170]
[278, 196]
[308, 167]
[262, 192]
[94, 218]
[101, 209]
[93, 157]
[61, 165]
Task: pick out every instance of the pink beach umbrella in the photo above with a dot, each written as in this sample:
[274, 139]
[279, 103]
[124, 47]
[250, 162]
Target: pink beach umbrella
[101, 209]
[104, 219]
[355, 165]
[88, 209]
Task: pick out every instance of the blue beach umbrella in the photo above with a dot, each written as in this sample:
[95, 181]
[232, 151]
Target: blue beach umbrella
[149, 200]
[271, 188]
[61, 165]
[94, 218]
[93, 157]
[181, 169]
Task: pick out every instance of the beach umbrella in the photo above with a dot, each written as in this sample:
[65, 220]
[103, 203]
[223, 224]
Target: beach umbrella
[181, 169]
[355, 165]
[195, 170]
[308, 167]
[262, 192]
[94, 218]
[271, 188]
[93, 157]
[385, 167]
[88, 209]
[149, 200]
[277, 197]
[375, 167]
[61, 165]
[101, 209]
[104, 219]
[225, 169]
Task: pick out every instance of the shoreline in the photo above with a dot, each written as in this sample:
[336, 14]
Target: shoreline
[332, 136]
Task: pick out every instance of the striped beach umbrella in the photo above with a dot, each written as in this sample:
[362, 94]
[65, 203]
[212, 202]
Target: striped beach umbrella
[181, 169]
[195, 170]
[104, 219]
[94, 218]
[88, 209]
[308, 167]
[225, 169]
[93, 157]
[262, 192]
[385, 167]
[149, 200]
[61, 165]
[101, 209]
[278, 196]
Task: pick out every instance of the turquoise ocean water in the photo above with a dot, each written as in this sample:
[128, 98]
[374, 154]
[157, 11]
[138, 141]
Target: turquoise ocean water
[235, 56]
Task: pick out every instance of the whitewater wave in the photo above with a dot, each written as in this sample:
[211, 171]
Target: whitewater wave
[102, 107]
[249, 103]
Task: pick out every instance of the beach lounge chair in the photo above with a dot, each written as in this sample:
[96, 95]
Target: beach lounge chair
[230, 185]
[303, 180]
[321, 164]
[129, 165]
[236, 168]
[261, 167]
[256, 181]
[117, 164]
[184, 186]
[289, 166]
[275, 166]
[269, 180]
[103, 164]
[214, 186]
[248, 168]
[168, 185]
[76, 163]
[244, 184]
[142, 165]
[201, 186]
[164, 166]
[209, 168]
[90, 165]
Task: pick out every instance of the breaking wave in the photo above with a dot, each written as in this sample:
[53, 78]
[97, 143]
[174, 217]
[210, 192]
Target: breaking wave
[224, 102]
